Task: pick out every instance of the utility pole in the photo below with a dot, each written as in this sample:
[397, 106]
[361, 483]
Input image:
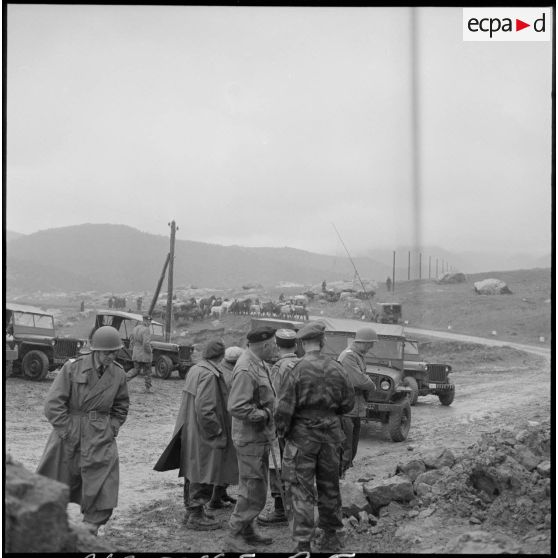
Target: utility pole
[168, 321]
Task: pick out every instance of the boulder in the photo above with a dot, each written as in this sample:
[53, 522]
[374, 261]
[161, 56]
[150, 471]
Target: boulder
[412, 468]
[491, 287]
[451, 278]
[544, 468]
[353, 499]
[35, 517]
[35, 512]
[438, 458]
[527, 458]
[381, 493]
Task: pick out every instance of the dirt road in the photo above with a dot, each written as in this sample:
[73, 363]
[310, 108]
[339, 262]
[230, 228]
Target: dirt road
[495, 387]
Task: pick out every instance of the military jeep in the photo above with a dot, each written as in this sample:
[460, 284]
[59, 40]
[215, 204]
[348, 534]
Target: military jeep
[425, 378]
[166, 356]
[389, 403]
[33, 338]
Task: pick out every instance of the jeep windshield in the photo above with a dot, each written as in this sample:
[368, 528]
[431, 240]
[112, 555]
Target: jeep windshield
[32, 323]
[412, 351]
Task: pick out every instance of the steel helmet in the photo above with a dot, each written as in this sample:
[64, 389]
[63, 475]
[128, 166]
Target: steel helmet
[106, 338]
[366, 335]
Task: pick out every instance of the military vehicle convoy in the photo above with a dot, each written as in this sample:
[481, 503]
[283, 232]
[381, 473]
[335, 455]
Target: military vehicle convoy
[33, 337]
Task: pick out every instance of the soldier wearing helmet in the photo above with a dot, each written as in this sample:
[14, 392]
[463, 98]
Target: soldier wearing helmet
[354, 365]
[86, 405]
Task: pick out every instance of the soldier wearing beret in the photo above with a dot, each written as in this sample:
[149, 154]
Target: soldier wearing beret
[251, 401]
[312, 397]
[228, 363]
[286, 345]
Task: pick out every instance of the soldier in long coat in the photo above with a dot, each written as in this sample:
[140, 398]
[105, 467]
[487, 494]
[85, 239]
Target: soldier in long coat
[142, 353]
[202, 447]
[86, 405]
[312, 397]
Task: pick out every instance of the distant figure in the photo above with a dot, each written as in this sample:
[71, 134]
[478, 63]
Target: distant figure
[324, 286]
[388, 284]
[142, 354]
[139, 302]
[281, 297]
[82, 306]
[111, 301]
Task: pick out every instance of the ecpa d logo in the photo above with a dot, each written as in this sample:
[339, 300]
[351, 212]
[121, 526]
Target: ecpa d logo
[507, 24]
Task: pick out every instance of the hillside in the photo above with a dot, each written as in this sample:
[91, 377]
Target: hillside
[118, 257]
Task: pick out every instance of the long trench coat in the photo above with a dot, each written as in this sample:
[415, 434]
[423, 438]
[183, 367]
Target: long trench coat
[201, 448]
[140, 342]
[86, 413]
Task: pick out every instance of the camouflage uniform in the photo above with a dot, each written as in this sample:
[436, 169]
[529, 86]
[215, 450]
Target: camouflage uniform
[251, 400]
[312, 397]
[354, 367]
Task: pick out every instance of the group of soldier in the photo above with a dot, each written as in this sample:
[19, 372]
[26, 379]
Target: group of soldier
[292, 427]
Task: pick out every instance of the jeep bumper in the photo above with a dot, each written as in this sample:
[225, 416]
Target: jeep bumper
[441, 386]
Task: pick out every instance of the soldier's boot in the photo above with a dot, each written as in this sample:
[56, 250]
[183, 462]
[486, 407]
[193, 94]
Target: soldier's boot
[330, 542]
[251, 536]
[237, 543]
[303, 546]
[199, 521]
[275, 517]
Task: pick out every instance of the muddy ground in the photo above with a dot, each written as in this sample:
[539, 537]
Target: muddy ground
[495, 388]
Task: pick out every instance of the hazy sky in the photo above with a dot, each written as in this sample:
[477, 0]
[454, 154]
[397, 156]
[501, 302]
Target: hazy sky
[262, 126]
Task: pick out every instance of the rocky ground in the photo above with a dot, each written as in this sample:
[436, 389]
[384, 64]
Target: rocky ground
[489, 494]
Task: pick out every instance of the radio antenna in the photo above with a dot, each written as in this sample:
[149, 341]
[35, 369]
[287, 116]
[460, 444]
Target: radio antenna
[355, 268]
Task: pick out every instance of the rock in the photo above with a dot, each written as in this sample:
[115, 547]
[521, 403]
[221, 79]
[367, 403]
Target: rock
[422, 489]
[547, 521]
[413, 513]
[353, 521]
[450, 278]
[438, 458]
[481, 542]
[363, 516]
[426, 513]
[544, 468]
[491, 287]
[430, 477]
[381, 493]
[475, 520]
[412, 469]
[35, 509]
[353, 498]
[527, 458]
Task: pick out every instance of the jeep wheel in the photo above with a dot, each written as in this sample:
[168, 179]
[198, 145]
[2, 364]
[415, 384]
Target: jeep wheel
[446, 397]
[409, 381]
[399, 423]
[35, 365]
[163, 366]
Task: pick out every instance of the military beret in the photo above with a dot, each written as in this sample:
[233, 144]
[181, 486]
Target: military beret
[232, 354]
[262, 333]
[285, 338]
[214, 349]
[312, 330]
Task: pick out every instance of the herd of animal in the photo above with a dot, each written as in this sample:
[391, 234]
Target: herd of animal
[214, 307]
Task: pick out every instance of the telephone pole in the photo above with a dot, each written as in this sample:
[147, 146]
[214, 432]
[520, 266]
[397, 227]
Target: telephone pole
[168, 321]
